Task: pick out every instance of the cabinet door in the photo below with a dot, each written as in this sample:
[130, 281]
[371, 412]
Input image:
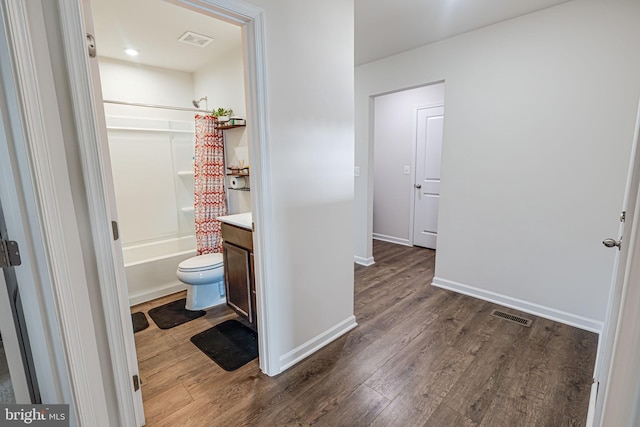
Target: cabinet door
[252, 287]
[237, 279]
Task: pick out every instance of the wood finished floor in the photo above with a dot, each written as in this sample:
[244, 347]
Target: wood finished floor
[421, 356]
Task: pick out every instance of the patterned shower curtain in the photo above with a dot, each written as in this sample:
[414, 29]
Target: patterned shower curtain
[209, 193]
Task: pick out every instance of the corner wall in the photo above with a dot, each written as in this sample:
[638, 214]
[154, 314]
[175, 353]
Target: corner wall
[309, 58]
[222, 82]
[539, 124]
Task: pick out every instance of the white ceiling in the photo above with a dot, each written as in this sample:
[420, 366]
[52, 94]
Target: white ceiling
[385, 28]
[382, 27]
[153, 27]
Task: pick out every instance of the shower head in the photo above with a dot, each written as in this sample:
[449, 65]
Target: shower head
[197, 103]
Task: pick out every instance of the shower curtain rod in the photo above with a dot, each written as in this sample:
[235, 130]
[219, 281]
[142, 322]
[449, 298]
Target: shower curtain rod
[165, 107]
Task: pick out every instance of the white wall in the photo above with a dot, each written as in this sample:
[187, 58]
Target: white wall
[394, 147]
[222, 81]
[539, 122]
[309, 56]
[130, 82]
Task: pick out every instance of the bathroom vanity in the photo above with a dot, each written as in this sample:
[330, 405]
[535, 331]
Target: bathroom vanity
[237, 252]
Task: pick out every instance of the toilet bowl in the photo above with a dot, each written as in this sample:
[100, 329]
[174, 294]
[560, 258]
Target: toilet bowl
[204, 277]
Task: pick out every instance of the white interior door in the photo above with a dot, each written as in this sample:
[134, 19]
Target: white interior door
[617, 370]
[108, 188]
[427, 179]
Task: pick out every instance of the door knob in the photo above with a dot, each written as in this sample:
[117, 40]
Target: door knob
[610, 243]
[418, 186]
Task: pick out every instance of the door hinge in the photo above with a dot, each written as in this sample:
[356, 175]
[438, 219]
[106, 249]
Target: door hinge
[91, 45]
[136, 383]
[9, 254]
[623, 216]
[114, 229]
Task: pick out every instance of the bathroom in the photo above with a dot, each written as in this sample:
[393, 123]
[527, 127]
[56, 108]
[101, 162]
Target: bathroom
[157, 107]
[152, 149]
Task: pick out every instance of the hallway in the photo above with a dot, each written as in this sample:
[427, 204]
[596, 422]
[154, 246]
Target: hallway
[420, 356]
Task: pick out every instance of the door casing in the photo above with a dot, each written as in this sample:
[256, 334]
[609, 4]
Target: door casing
[88, 126]
[36, 196]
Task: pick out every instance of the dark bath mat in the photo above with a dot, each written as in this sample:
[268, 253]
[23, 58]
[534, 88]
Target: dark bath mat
[173, 314]
[230, 344]
[139, 321]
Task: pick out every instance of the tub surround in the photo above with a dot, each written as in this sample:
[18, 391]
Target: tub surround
[151, 267]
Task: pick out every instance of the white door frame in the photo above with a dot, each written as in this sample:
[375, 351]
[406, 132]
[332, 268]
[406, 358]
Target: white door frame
[94, 157]
[117, 316]
[37, 196]
[414, 160]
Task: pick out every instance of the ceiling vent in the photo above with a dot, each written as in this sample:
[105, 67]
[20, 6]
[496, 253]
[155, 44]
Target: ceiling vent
[195, 39]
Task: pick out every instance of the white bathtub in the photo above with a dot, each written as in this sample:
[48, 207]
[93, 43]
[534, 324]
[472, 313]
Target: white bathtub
[151, 267]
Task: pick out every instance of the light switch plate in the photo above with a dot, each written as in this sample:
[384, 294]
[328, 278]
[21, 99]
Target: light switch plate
[407, 170]
[356, 171]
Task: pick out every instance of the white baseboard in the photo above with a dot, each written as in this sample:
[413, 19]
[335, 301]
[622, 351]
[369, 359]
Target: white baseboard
[363, 261]
[590, 325]
[391, 239]
[314, 344]
[156, 293]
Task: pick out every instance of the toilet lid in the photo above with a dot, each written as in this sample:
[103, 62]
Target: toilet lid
[201, 262]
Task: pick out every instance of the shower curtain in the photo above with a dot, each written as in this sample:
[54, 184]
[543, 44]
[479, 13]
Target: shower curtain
[209, 184]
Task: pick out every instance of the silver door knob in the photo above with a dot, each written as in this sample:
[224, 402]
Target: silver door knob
[611, 243]
[418, 186]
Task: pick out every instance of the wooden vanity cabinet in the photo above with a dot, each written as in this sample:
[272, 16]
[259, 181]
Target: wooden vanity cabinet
[237, 252]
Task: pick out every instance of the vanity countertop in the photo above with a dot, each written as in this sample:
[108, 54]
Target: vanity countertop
[243, 220]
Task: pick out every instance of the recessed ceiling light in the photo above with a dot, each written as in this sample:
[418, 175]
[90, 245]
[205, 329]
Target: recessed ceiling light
[132, 52]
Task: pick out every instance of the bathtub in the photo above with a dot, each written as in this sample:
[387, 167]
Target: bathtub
[151, 267]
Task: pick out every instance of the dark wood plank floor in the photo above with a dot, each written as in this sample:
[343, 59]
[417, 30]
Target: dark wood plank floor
[421, 356]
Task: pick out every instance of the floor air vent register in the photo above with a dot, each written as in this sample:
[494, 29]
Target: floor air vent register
[512, 318]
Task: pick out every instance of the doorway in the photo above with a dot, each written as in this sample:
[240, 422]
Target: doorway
[98, 181]
[406, 174]
[186, 63]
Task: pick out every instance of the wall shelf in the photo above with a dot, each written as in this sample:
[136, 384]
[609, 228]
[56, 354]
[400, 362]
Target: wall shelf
[224, 127]
[188, 209]
[244, 175]
[185, 173]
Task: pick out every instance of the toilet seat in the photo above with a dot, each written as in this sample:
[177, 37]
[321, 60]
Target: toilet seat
[201, 263]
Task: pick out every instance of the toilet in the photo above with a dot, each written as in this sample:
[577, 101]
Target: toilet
[204, 277]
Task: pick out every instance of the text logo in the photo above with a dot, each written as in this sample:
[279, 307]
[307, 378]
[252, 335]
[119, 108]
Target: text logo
[35, 415]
